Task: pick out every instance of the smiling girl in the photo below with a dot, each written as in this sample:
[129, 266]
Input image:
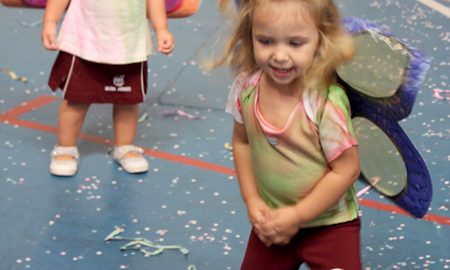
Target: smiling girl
[294, 147]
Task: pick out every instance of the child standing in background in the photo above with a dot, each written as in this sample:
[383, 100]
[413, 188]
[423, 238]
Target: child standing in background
[103, 49]
[294, 147]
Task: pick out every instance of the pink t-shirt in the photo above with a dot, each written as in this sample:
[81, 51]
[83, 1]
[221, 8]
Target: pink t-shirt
[106, 31]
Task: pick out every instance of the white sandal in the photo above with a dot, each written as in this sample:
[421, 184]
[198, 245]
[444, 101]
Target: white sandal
[136, 164]
[65, 167]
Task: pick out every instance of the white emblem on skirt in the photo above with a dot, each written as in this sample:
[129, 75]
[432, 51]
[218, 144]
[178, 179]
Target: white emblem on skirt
[118, 86]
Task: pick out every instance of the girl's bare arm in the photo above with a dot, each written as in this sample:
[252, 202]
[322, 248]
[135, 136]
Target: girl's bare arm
[344, 171]
[156, 12]
[257, 208]
[54, 10]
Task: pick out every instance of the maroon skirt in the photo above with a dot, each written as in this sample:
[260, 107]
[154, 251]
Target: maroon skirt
[89, 82]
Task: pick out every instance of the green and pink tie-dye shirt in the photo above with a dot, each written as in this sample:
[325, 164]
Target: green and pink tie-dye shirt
[106, 31]
[288, 162]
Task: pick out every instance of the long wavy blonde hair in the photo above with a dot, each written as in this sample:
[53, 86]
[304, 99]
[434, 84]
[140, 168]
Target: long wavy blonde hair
[335, 44]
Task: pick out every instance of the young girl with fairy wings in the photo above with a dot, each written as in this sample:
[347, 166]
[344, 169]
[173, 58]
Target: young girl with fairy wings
[103, 49]
[294, 147]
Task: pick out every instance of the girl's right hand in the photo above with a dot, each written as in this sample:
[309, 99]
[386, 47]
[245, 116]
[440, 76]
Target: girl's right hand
[48, 35]
[258, 211]
[283, 224]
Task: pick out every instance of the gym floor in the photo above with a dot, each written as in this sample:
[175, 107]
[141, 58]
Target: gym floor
[190, 196]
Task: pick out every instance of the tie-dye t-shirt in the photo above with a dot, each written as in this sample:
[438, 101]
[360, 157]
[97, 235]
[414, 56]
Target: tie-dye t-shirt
[288, 162]
[106, 31]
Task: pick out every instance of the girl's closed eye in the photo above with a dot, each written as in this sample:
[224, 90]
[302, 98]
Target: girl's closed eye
[296, 43]
[265, 41]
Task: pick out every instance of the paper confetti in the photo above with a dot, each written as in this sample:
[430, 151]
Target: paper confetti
[373, 182]
[441, 94]
[178, 112]
[13, 75]
[141, 244]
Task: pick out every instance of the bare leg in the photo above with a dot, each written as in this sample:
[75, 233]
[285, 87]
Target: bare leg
[70, 121]
[125, 123]
[125, 128]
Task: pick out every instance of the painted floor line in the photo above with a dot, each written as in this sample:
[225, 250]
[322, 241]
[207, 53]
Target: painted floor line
[10, 118]
[28, 106]
[444, 10]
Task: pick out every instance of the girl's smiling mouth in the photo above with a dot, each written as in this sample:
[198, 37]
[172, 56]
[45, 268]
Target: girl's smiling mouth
[281, 72]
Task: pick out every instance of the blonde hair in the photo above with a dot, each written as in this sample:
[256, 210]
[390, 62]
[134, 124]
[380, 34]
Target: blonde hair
[335, 44]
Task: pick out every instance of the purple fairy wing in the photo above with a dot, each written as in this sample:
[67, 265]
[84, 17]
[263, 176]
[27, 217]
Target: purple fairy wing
[382, 82]
[387, 69]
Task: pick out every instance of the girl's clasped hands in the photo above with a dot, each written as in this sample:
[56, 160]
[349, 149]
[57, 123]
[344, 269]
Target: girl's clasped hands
[273, 226]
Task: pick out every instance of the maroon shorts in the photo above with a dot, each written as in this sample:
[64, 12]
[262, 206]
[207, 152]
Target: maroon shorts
[321, 248]
[90, 82]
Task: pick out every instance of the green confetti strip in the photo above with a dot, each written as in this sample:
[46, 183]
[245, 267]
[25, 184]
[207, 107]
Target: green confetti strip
[143, 117]
[113, 234]
[143, 245]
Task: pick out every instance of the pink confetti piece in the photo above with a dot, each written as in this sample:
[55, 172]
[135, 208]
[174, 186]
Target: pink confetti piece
[441, 94]
[373, 182]
[178, 112]
[161, 232]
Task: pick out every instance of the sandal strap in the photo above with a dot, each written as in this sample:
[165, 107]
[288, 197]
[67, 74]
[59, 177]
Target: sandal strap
[65, 150]
[120, 151]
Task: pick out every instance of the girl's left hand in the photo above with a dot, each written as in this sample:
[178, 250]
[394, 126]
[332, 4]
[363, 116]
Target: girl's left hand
[48, 35]
[166, 42]
[279, 229]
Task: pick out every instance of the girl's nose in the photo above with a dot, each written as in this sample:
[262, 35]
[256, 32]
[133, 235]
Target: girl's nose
[280, 55]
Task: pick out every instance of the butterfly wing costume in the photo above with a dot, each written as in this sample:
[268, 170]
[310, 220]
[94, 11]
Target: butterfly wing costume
[382, 82]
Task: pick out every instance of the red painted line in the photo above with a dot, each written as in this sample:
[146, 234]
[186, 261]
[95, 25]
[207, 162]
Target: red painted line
[190, 161]
[10, 118]
[29, 124]
[147, 151]
[28, 106]
[395, 209]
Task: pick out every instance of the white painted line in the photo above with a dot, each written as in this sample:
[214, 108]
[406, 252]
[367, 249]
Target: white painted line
[437, 6]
